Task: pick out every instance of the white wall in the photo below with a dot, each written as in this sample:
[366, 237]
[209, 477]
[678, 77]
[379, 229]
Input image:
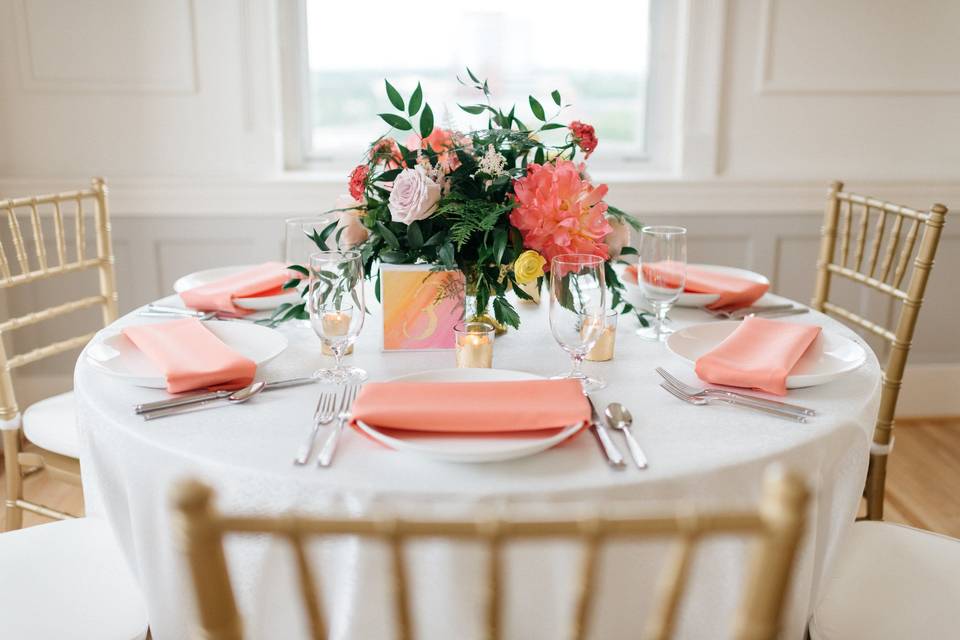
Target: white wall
[177, 103]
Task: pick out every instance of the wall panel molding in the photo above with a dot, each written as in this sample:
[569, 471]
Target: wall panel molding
[50, 61]
[769, 82]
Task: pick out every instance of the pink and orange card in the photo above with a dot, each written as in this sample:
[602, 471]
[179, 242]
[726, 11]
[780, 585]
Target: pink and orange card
[421, 307]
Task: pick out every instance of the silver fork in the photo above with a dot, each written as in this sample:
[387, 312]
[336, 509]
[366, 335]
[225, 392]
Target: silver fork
[710, 391]
[323, 414]
[741, 313]
[330, 446]
[705, 400]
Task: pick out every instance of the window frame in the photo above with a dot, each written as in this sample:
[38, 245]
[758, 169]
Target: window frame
[659, 155]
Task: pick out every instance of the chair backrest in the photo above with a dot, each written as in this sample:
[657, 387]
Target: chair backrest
[776, 526]
[28, 261]
[882, 265]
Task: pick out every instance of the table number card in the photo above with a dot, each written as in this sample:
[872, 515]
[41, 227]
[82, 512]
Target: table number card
[421, 306]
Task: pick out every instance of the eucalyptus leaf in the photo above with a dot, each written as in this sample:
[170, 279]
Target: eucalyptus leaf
[472, 109]
[321, 240]
[395, 121]
[416, 100]
[388, 236]
[395, 99]
[472, 77]
[552, 125]
[426, 121]
[537, 109]
[299, 269]
[292, 283]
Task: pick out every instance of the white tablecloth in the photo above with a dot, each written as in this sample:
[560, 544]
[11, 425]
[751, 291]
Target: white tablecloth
[705, 455]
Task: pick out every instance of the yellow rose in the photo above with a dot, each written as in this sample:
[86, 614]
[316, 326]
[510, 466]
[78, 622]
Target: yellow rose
[529, 266]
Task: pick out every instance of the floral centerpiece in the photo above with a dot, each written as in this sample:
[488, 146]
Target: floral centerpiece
[498, 204]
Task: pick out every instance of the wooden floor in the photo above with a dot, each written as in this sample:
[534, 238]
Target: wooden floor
[922, 481]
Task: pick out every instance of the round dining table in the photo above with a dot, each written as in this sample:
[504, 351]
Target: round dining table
[699, 456]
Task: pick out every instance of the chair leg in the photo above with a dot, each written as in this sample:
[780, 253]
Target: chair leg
[14, 480]
[876, 482]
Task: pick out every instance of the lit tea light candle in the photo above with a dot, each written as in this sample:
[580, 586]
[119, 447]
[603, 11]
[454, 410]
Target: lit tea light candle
[474, 347]
[335, 323]
[603, 349]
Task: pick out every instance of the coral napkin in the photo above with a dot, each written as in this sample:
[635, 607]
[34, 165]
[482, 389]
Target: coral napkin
[190, 356]
[263, 280]
[759, 354]
[472, 407]
[735, 292]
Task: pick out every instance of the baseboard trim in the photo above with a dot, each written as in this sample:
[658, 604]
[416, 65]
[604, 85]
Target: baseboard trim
[930, 391]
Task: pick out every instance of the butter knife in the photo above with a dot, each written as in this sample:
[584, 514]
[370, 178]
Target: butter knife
[610, 450]
[146, 407]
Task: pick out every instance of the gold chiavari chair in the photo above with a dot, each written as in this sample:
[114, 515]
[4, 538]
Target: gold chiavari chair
[777, 526]
[889, 581]
[65, 579]
[49, 425]
[884, 268]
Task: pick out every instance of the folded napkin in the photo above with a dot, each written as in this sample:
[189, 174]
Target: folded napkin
[472, 407]
[759, 354]
[735, 292]
[263, 280]
[190, 356]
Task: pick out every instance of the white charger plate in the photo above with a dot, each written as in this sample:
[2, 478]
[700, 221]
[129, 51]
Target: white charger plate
[635, 292]
[116, 355]
[470, 448]
[830, 356]
[257, 303]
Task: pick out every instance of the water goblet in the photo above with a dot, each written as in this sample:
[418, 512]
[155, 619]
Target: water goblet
[578, 310]
[662, 274]
[336, 306]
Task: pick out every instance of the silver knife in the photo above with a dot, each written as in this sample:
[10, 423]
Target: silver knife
[213, 395]
[610, 450]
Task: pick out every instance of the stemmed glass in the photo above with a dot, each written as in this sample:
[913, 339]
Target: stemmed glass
[336, 306]
[663, 272]
[578, 309]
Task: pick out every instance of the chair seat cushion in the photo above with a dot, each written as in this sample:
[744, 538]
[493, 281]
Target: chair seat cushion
[52, 425]
[68, 580]
[891, 582]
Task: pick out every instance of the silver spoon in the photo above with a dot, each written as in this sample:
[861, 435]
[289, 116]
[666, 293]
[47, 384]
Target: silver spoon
[620, 418]
[237, 397]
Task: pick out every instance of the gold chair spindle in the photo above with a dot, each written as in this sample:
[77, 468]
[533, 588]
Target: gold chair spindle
[309, 590]
[59, 232]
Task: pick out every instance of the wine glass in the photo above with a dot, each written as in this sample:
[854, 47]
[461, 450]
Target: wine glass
[578, 309]
[336, 306]
[663, 272]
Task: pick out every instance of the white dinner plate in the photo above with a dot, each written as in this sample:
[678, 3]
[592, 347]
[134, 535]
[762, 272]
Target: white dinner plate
[114, 354]
[830, 356]
[256, 303]
[635, 292]
[488, 447]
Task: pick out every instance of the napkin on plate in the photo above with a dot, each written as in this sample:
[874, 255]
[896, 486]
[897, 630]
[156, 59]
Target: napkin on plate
[735, 292]
[472, 407]
[263, 280]
[190, 356]
[759, 354]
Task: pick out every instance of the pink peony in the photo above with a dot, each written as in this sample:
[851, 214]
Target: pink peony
[442, 142]
[584, 136]
[358, 181]
[559, 212]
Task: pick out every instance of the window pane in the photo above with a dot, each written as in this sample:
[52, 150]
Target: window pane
[597, 59]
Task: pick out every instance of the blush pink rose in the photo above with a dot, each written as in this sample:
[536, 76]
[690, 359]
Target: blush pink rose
[618, 238]
[414, 196]
[349, 226]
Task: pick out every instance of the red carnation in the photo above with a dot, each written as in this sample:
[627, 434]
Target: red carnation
[358, 181]
[584, 136]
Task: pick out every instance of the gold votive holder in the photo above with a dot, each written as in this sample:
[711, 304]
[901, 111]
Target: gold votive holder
[474, 347]
[335, 323]
[604, 347]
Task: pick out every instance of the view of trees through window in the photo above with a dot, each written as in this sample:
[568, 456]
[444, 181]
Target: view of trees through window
[521, 48]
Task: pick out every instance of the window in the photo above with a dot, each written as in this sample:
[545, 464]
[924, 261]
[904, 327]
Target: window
[599, 59]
